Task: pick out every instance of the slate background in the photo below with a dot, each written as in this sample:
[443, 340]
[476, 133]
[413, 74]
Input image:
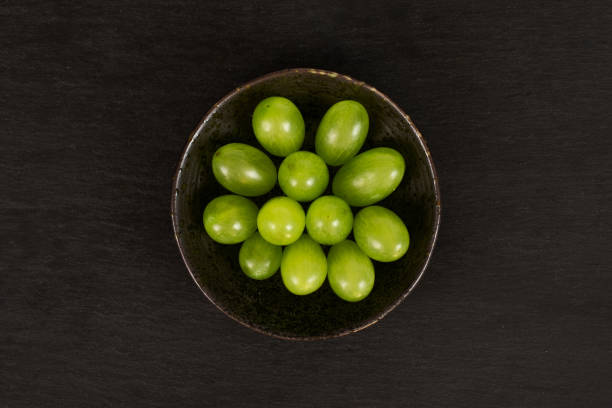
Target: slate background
[98, 98]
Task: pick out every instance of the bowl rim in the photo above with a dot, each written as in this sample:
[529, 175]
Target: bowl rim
[196, 132]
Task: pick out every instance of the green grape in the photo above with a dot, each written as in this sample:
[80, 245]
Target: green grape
[244, 170]
[258, 258]
[278, 126]
[350, 271]
[329, 220]
[381, 234]
[281, 221]
[303, 267]
[230, 219]
[303, 176]
[342, 132]
[369, 177]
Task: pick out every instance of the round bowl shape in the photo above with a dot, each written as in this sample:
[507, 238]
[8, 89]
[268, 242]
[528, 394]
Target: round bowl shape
[266, 306]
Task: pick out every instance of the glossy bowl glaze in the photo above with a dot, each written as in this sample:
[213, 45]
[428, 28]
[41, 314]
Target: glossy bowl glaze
[266, 306]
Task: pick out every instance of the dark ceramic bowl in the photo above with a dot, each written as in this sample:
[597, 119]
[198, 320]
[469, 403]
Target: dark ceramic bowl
[266, 306]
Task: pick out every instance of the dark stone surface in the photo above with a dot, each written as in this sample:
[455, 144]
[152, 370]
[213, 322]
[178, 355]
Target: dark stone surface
[267, 306]
[98, 99]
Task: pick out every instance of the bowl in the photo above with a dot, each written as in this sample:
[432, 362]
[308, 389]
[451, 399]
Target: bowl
[266, 306]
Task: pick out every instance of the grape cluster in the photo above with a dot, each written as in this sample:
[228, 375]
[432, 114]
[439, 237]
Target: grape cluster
[362, 180]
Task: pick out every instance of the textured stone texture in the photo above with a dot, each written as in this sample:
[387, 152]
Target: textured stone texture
[98, 99]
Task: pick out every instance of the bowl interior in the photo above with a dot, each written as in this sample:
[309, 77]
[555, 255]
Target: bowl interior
[266, 305]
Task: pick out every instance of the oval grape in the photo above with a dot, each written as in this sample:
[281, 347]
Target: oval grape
[230, 219]
[278, 126]
[381, 234]
[244, 169]
[303, 267]
[281, 221]
[369, 177]
[349, 271]
[303, 176]
[342, 132]
[329, 220]
[258, 258]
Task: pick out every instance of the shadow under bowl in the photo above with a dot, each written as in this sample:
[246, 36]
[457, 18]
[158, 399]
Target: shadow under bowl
[266, 306]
